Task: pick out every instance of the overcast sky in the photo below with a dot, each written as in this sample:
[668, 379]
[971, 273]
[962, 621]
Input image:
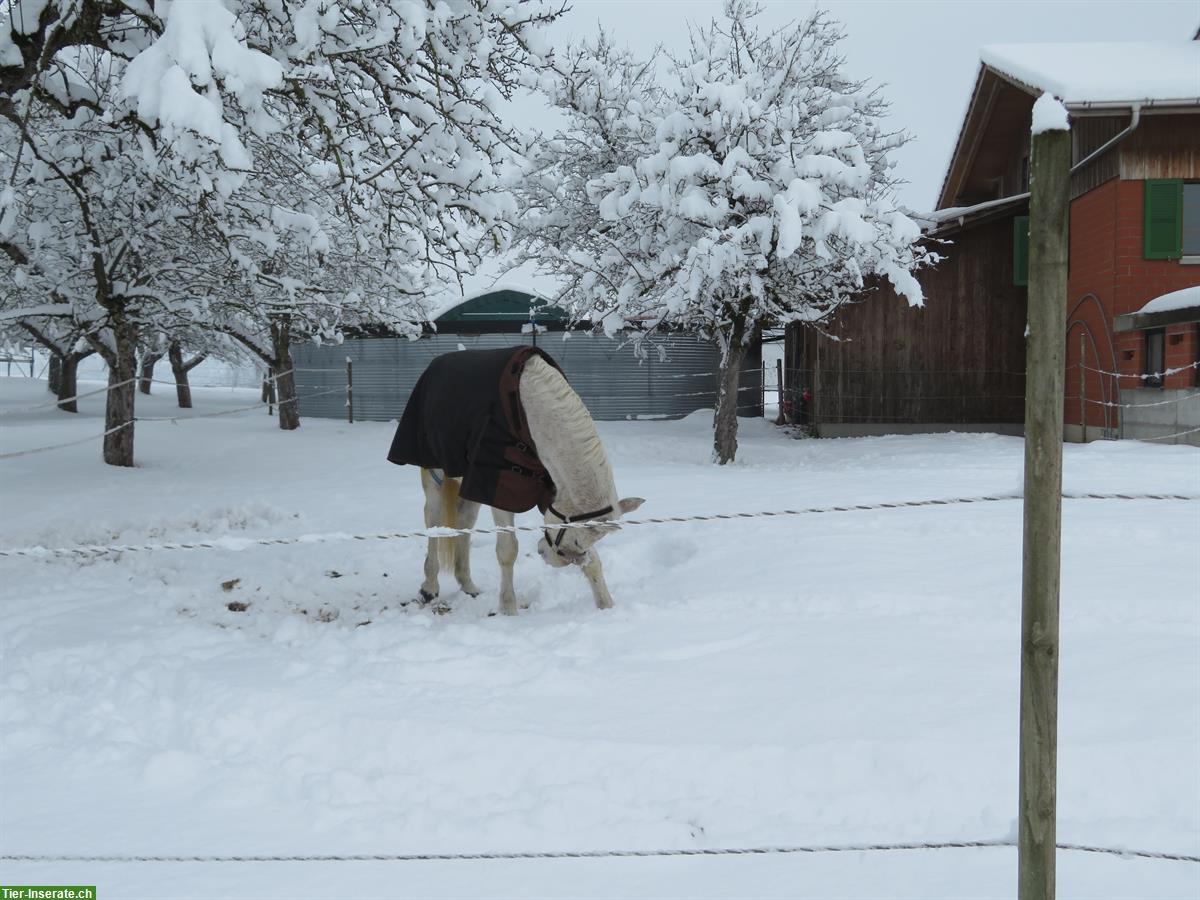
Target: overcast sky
[926, 52]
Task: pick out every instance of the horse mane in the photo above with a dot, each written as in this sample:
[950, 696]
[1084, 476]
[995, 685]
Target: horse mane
[565, 435]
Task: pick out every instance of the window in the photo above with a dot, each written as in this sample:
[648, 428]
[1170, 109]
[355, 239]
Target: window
[1021, 250]
[1191, 219]
[1172, 219]
[1152, 371]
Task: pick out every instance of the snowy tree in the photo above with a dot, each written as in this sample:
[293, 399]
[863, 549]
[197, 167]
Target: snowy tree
[749, 185]
[184, 348]
[180, 367]
[78, 224]
[62, 341]
[66, 345]
[152, 149]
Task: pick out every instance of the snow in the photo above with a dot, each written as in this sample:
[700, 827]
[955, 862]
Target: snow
[950, 213]
[198, 45]
[497, 273]
[828, 679]
[1049, 115]
[1114, 72]
[179, 148]
[1182, 299]
[755, 178]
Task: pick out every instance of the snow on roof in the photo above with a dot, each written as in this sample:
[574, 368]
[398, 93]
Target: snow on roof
[496, 274]
[949, 214]
[1184, 299]
[1080, 74]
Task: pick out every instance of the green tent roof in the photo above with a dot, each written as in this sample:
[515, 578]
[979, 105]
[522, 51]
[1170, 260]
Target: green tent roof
[503, 306]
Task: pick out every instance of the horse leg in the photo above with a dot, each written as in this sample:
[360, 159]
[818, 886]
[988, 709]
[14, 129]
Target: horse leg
[468, 512]
[595, 576]
[506, 553]
[433, 518]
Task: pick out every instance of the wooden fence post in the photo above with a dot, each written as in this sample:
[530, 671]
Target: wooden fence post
[762, 384]
[816, 388]
[350, 390]
[1046, 345]
[779, 393]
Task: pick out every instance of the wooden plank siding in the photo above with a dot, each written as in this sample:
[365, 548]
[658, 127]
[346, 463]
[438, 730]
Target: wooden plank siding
[960, 359]
[1162, 147]
[1088, 134]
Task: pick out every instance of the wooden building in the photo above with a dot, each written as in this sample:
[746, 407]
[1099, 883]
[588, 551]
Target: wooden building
[957, 363]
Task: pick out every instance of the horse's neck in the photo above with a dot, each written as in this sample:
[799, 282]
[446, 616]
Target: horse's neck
[566, 439]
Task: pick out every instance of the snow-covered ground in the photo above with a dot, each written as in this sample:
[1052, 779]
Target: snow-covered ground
[834, 679]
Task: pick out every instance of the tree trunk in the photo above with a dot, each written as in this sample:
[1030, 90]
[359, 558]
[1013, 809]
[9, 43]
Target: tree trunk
[289, 412]
[725, 418]
[146, 372]
[54, 382]
[68, 386]
[183, 391]
[118, 412]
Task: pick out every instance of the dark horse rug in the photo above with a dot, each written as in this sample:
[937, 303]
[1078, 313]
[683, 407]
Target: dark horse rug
[465, 418]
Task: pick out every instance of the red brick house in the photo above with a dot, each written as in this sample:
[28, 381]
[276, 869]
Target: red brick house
[1134, 245]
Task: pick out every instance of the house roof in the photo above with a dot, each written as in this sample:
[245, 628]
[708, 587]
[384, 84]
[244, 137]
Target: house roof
[1085, 76]
[504, 304]
[1112, 73]
[957, 216]
[497, 273]
[1188, 298]
[1168, 309]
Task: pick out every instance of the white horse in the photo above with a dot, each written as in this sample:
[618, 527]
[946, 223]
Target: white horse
[569, 447]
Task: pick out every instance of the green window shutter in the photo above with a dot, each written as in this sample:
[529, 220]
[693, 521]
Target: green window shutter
[1163, 227]
[1021, 250]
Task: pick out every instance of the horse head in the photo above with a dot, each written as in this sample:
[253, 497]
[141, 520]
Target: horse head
[561, 545]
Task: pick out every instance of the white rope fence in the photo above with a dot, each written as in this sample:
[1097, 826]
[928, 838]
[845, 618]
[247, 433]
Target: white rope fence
[1127, 853]
[227, 412]
[113, 387]
[1170, 401]
[87, 440]
[1180, 399]
[1147, 375]
[239, 544]
[263, 377]
[223, 412]
[52, 403]
[1168, 437]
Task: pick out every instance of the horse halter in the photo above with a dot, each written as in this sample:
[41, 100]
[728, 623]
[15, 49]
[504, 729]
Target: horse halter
[567, 520]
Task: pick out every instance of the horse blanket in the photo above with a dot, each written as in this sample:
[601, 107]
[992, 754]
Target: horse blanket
[465, 418]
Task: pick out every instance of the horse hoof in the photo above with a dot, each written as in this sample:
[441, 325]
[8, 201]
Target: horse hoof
[425, 597]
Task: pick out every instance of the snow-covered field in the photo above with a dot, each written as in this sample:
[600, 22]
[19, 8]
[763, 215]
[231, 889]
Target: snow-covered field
[836, 679]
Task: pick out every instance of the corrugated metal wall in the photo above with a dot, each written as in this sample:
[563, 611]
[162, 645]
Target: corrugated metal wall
[676, 377]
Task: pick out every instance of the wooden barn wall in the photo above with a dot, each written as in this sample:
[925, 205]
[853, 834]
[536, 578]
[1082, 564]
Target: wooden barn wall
[959, 359]
[1088, 134]
[1163, 146]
